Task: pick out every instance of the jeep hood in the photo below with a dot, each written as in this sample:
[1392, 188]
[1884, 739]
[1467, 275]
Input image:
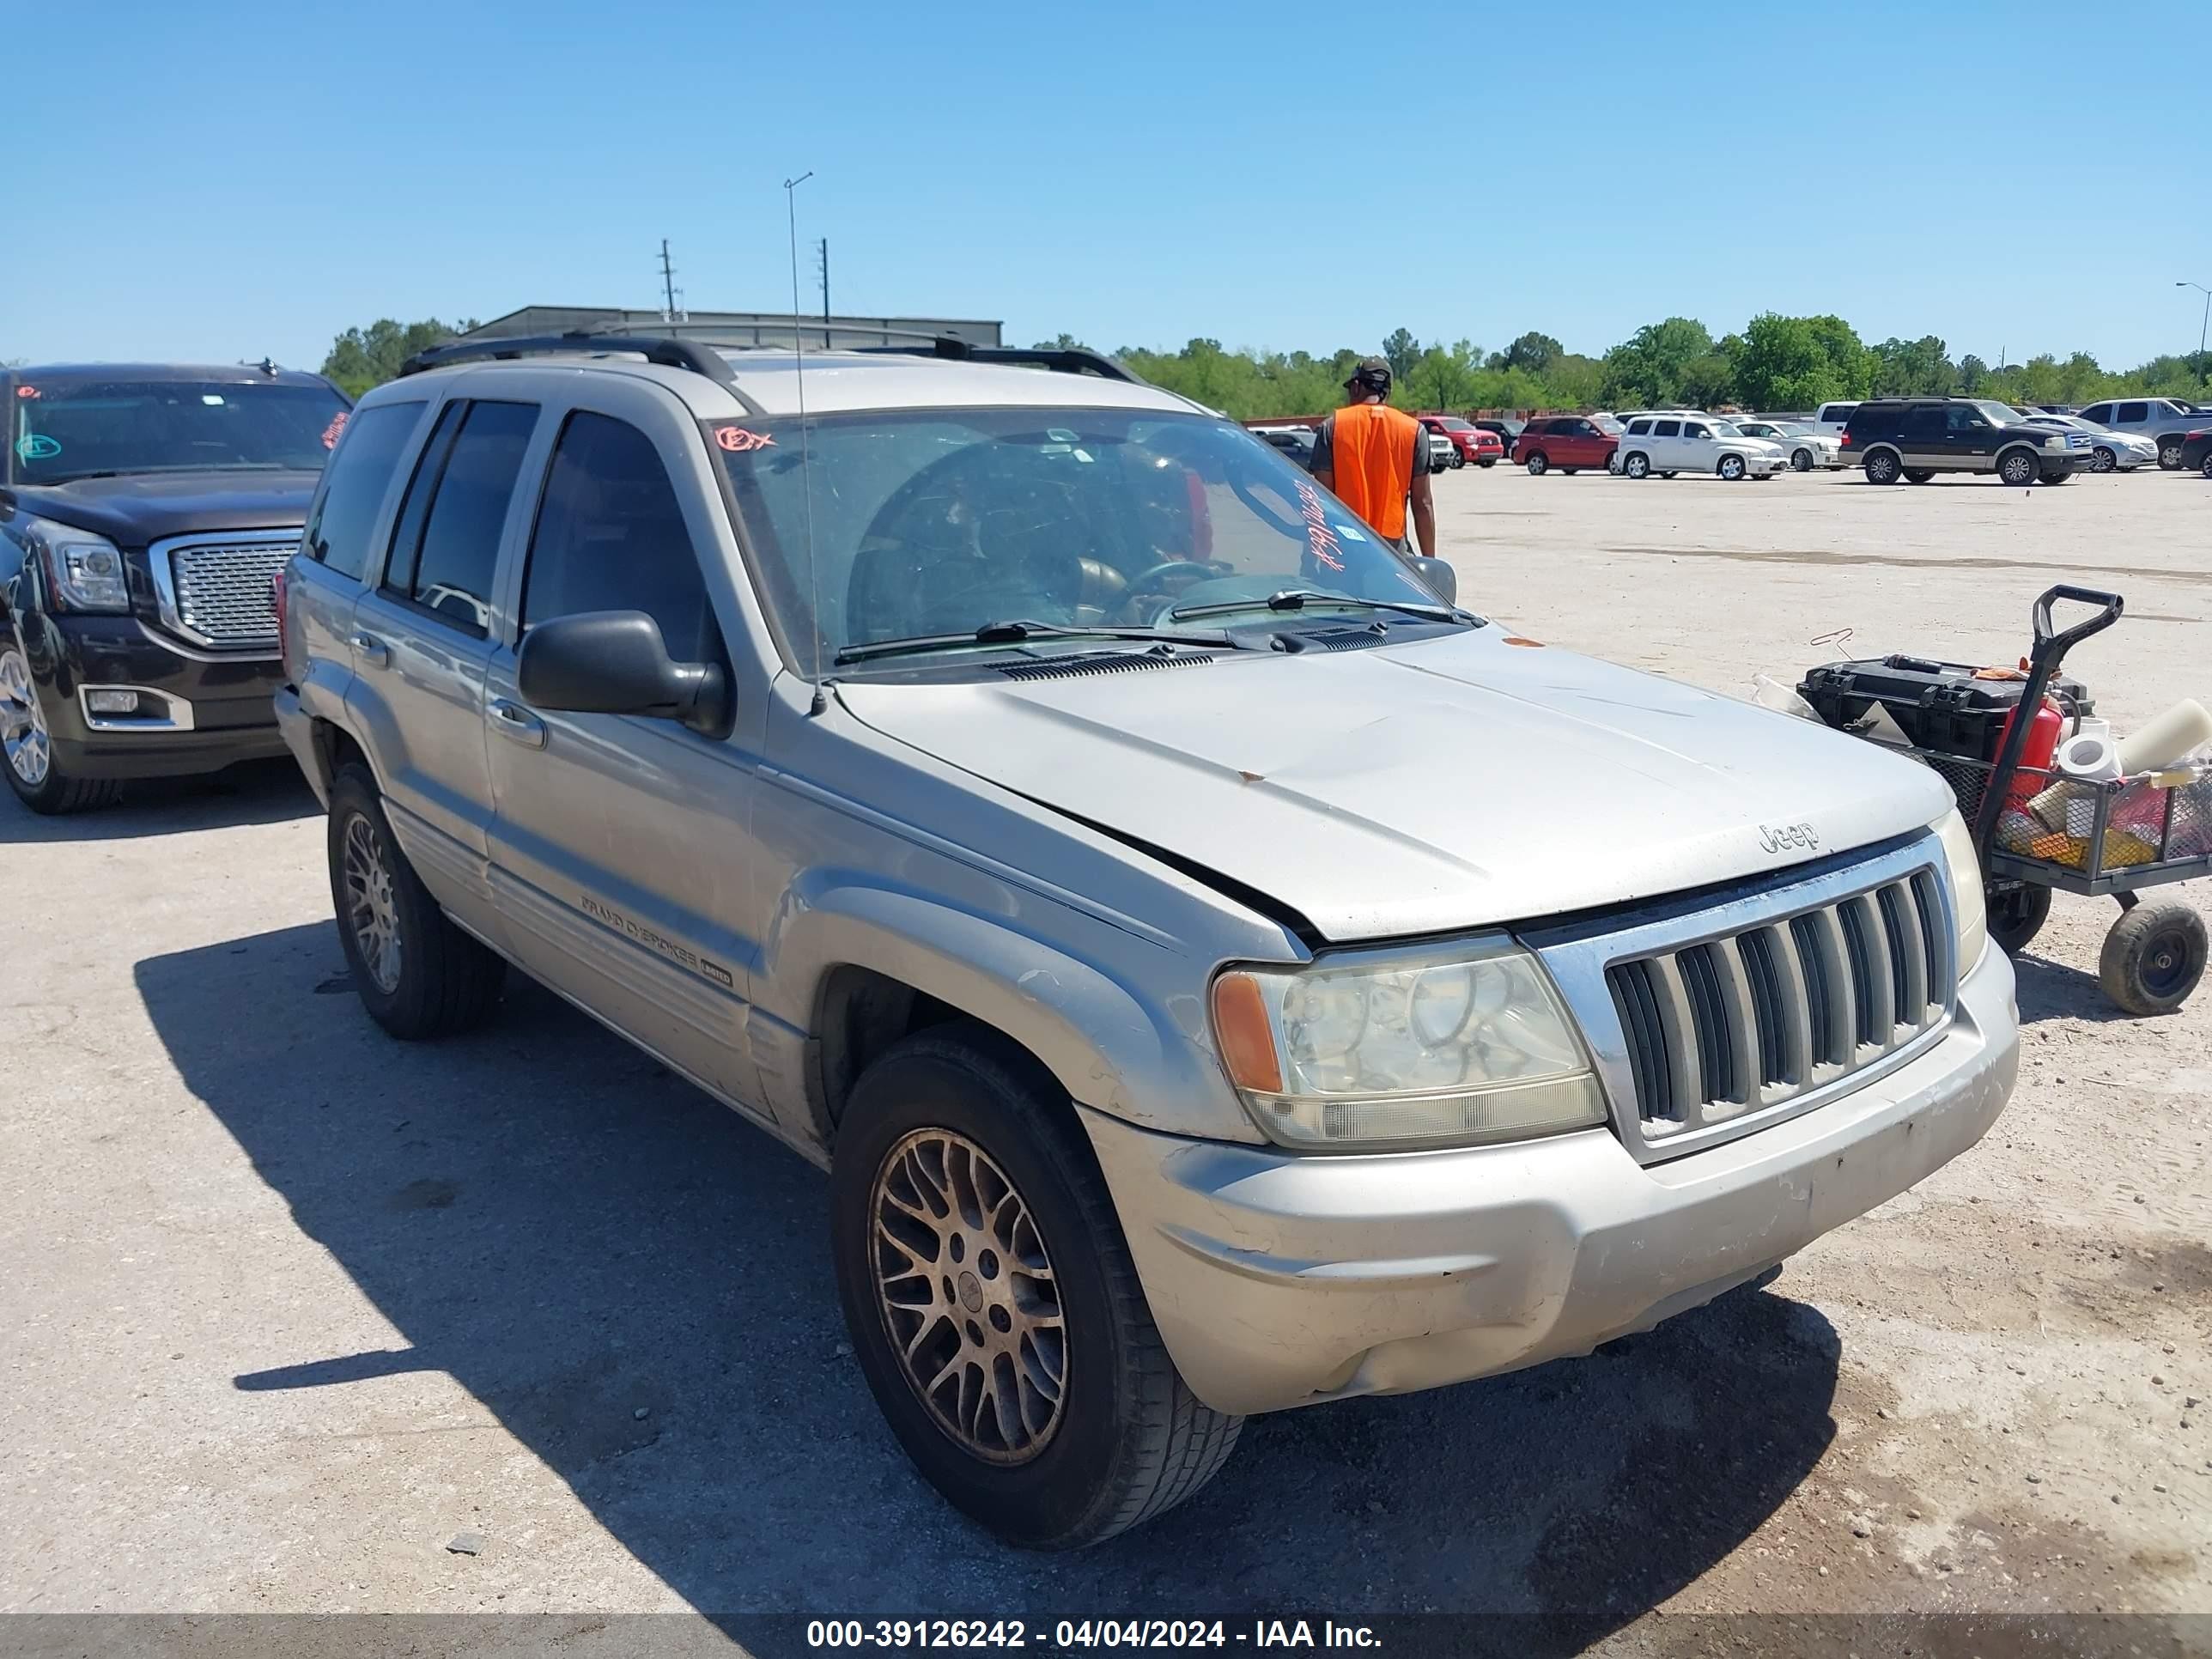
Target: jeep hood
[1441, 784]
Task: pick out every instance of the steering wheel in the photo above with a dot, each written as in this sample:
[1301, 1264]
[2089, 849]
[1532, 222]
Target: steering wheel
[1141, 582]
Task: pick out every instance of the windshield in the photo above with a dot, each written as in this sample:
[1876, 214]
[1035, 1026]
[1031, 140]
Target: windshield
[1607, 424]
[2002, 414]
[929, 523]
[1726, 429]
[1453, 423]
[61, 429]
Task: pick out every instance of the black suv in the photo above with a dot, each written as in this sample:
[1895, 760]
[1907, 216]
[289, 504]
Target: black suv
[1916, 438]
[145, 510]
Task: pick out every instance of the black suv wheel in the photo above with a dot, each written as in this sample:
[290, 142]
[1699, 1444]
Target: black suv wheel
[26, 750]
[2019, 466]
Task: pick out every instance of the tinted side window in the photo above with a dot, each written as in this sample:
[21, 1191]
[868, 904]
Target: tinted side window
[459, 552]
[1666, 428]
[610, 537]
[354, 487]
[1696, 429]
[414, 506]
[2134, 412]
[1638, 429]
[2098, 413]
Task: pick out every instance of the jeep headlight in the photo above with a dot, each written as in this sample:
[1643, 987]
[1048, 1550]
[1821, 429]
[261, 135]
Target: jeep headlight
[1454, 1046]
[1967, 899]
[84, 571]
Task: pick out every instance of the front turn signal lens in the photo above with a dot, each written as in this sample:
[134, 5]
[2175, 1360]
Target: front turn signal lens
[1247, 1038]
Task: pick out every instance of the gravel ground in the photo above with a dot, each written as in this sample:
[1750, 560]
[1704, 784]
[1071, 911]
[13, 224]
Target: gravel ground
[289, 1307]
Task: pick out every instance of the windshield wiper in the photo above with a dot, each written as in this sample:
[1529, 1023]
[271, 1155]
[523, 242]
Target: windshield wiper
[1297, 598]
[1013, 632]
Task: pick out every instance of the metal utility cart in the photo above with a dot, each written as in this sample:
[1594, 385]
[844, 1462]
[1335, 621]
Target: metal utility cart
[2036, 829]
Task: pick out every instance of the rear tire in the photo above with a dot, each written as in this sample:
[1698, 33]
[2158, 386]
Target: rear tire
[1569, 471]
[1491, 461]
[971, 1150]
[1882, 468]
[1538, 464]
[1919, 474]
[2169, 455]
[2057, 477]
[419, 975]
[2154, 957]
[2206, 470]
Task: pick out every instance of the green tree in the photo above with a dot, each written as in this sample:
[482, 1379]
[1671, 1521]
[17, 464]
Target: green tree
[1973, 375]
[1651, 368]
[363, 357]
[1445, 378]
[1533, 353]
[1908, 369]
[1401, 352]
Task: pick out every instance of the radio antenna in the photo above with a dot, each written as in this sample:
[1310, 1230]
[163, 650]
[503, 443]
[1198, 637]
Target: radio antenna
[805, 458]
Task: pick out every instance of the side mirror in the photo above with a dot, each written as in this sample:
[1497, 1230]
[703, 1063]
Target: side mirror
[1440, 576]
[615, 662]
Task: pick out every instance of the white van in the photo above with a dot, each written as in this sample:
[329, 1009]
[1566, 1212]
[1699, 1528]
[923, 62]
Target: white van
[1831, 418]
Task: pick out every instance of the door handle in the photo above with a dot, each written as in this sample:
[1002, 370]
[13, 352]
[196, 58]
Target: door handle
[374, 651]
[512, 721]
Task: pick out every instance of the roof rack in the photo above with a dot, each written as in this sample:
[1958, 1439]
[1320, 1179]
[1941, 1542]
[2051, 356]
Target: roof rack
[1064, 360]
[668, 353]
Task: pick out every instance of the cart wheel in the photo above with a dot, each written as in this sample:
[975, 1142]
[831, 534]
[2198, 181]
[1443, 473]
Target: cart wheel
[2152, 957]
[2017, 914]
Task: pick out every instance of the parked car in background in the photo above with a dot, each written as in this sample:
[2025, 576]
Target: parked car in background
[1468, 441]
[1151, 1092]
[144, 510]
[2109, 451]
[1805, 444]
[1916, 438]
[1688, 440]
[1508, 429]
[2197, 449]
[1568, 442]
[2165, 421]
[1295, 441]
[1831, 418]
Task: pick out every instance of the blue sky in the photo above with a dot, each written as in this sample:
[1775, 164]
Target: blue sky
[228, 178]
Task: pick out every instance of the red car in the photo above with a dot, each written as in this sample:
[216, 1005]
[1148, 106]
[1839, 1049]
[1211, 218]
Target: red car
[1569, 442]
[1482, 448]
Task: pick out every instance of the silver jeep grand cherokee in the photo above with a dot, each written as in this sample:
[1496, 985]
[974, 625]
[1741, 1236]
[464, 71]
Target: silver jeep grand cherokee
[1218, 972]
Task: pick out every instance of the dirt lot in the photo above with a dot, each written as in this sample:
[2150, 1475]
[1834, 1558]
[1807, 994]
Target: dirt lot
[289, 1306]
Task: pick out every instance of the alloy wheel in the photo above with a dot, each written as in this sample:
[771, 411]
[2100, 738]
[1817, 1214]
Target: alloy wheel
[2018, 469]
[1731, 468]
[2170, 456]
[22, 722]
[371, 909]
[967, 1296]
[2102, 461]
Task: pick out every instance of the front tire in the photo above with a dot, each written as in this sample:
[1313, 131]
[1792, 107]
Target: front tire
[27, 748]
[1537, 464]
[1801, 461]
[2019, 468]
[993, 1303]
[1491, 461]
[1637, 466]
[2154, 957]
[1882, 468]
[1919, 474]
[1731, 468]
[418, 975]
[2101, 459]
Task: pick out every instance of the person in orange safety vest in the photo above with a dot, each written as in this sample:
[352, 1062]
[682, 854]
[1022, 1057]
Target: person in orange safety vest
[1376, 459]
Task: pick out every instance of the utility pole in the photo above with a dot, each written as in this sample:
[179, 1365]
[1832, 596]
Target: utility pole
[2203, 369]
[824, 246]
[668, 285]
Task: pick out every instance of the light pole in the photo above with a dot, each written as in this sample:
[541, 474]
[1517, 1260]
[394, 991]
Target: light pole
[2203, 369]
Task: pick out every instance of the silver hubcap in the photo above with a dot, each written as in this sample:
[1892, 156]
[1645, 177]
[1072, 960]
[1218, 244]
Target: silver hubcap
[968, 1296]
[1731, 468]
[22, 724]
[371, 911]
[2170, 455]
[2103, 460]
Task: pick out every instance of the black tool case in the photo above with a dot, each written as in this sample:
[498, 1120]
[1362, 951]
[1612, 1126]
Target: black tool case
[1937, 705]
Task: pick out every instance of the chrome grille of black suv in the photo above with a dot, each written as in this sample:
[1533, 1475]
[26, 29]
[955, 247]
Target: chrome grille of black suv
[224, 596]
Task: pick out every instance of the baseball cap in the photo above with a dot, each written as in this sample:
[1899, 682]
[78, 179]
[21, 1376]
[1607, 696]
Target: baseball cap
[1371, 371]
